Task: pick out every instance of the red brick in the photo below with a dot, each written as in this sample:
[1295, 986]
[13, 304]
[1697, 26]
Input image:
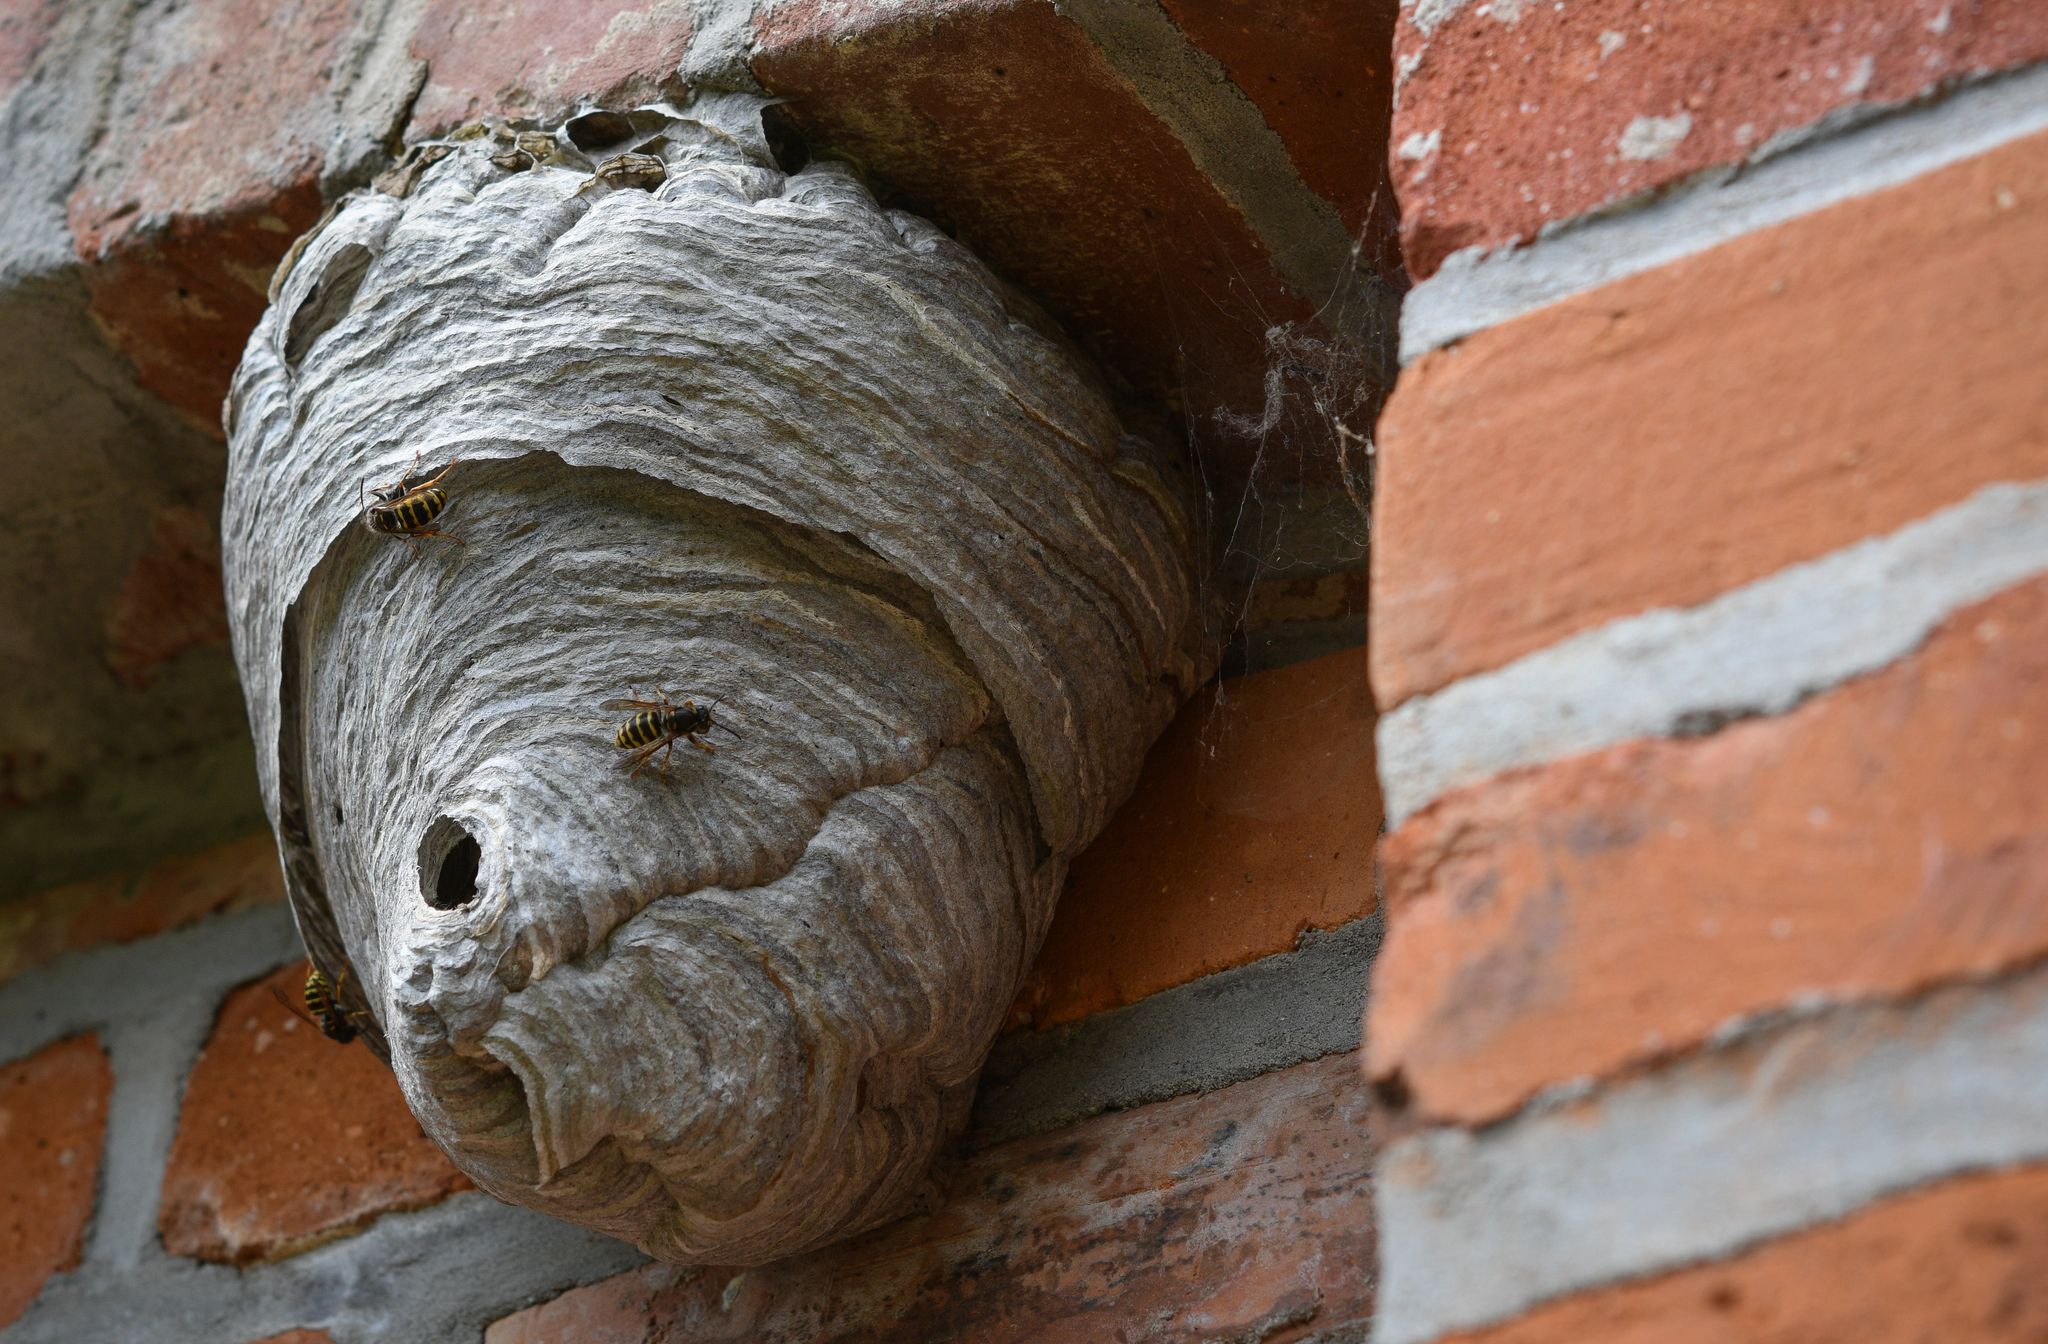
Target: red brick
[208, 169]
[1530, 103]
[25, 26]
[540, 58]
[1673, 435]
[287, 1140]
[1253, 820]
[1321, 74]
[53, 1116]
[236, 876]
[171, 601]
[1963, 1262]
[1242, 1214]
[1571, 921]
[1001, 120]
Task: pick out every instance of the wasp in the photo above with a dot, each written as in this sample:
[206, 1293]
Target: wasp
[323, 1006]
[658, 725]
[408, 506]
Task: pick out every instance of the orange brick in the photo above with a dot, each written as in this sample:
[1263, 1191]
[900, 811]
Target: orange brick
[236, 876]
[1963, 1262]
[1253, 820]
[1665, 438]
[1321, 74]
[53, 1117]
[1530, 110]
[1572, 920]
[287, 1140]
[982, 115]
[171, 602]
[1242, 1214]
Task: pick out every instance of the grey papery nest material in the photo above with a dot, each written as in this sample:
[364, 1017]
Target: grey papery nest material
[750, 437]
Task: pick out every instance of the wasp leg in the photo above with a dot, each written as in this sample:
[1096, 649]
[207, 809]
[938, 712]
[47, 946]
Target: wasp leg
[704, 747]
[437, 476]
[637, 762]
[667, 751]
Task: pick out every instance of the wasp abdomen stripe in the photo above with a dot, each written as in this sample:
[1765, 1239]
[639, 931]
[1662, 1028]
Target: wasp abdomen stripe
[641, 729]
[420, 508]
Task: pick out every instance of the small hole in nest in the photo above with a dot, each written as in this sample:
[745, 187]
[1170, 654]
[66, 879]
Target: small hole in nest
[450, 860]
[599, 130]
[785, 141]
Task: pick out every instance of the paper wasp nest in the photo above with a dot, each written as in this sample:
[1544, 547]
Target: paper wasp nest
[752, 438]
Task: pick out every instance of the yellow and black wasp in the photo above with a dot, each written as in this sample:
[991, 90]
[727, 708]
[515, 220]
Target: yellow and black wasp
[407, 507]
[658, 725]
[323, 1006]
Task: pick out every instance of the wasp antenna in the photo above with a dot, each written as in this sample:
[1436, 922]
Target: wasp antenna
[723, 729]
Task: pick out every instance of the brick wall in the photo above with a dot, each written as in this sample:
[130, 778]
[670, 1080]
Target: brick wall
[1710, 562]
[1707, 623]
[1173, 1138]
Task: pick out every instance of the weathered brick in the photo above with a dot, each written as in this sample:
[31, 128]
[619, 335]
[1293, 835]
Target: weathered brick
[1513, 114]
[231, 877]
[24, 28]
[287, 1140]
[1665, 438]
[1321, 74]
[1962, 1262]
[1572, 920]
[540, 58]
[1253, 820]
[170, 602]
[208, 169]
[53, 1116]
[1242, 1214]
[1003, 121]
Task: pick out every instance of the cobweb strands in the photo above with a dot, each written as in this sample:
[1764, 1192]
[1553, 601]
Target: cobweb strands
[747, 437]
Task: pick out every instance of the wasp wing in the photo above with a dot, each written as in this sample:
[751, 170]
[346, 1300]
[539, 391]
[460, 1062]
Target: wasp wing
[622, 702]
[293, 1008]
[631, 764]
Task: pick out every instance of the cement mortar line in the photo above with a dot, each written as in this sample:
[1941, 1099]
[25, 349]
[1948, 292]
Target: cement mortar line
[721, 51]
[1477, 289]
[438, 1275]
[1245, 159]
[150, 1060]
[1269, 1014]
[1756, 650]
[132, 983]
[1791, 1127]
[414, 1276]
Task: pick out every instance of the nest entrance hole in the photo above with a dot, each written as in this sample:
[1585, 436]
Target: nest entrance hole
[450, 860]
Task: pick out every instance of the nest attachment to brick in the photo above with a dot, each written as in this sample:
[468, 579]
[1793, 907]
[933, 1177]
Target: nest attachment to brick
[632, 414]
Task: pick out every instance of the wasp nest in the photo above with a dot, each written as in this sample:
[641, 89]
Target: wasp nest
[747, 436]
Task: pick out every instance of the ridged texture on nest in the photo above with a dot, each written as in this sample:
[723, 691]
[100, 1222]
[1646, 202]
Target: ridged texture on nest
[753, 438]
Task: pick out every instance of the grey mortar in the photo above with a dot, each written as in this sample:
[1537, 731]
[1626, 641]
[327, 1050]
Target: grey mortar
[1477, 289]
[721, 47]
[1223, 1028]
[1759, 649]
[432, 1277]
[444, 1273]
